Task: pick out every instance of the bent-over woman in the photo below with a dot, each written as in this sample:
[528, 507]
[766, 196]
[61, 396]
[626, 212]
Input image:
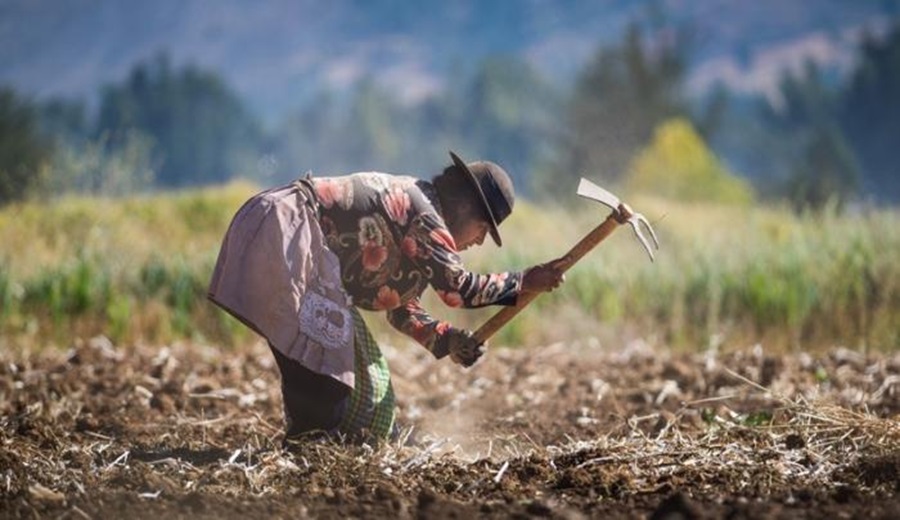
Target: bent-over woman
[298, 261]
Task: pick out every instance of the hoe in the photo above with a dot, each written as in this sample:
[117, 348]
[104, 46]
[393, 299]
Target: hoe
[621, 214]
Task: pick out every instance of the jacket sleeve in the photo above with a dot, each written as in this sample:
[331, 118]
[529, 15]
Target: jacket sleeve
[414, 321]
[435, 251]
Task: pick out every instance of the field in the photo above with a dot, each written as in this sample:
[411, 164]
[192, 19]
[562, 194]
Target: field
[753, 371]
[565, 431]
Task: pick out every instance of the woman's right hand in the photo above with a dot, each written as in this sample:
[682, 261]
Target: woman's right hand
[544, 277]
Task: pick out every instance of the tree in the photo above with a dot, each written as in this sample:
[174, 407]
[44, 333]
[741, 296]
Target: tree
[821, 166]
[91, 167]
[503, 111]
[24, 153]
[620, 97]
[827, 174]
[200, 131]
[64, 121]
[305, 139]
[678, 164]
[508, 115]
[371, 130]
[331, 135]
[869, 112]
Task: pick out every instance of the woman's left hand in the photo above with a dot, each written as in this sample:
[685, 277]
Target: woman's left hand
[465, 349]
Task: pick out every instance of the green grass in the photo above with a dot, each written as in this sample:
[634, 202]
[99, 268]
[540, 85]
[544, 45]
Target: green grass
[136, 269]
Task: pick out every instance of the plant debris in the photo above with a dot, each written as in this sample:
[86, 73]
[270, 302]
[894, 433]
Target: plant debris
[565, 431]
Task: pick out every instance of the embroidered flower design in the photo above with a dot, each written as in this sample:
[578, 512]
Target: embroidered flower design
[387, 299]
[451, 298]
[423, 331]
[443, 237]
[396, 202]
[334, 191]
[328, 191]
[498, 279]
[370, 231]
[417, 330]
[371, 241]
[410, 247]
[373, 256]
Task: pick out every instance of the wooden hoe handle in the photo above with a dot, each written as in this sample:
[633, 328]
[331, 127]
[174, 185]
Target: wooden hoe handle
[585, 245]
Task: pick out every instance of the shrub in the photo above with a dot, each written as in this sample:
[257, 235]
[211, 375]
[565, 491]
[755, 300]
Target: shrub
[677, 164]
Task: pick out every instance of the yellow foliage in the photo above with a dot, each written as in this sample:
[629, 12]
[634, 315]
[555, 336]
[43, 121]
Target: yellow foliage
[126, 231]
[677, 164]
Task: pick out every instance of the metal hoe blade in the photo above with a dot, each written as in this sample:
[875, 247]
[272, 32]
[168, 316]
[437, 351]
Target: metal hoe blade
[637, 221]
[591, 191]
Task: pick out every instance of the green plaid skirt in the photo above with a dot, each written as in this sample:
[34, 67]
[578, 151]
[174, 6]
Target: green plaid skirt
[370, 412]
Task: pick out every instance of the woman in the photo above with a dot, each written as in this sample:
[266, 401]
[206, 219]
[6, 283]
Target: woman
[298, 260]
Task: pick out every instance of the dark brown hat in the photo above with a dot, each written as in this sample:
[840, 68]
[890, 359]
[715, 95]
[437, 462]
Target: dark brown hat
[494, 188]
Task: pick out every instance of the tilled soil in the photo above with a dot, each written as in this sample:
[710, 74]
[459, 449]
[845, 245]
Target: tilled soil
[566, 431]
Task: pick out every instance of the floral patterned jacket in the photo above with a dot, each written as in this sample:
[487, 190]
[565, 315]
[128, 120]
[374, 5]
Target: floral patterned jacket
[392, 243]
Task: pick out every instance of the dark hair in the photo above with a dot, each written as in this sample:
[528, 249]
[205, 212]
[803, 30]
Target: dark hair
[459, 200]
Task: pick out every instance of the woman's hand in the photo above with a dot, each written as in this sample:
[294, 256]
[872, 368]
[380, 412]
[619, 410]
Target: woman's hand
[544, 277]
[464, 348]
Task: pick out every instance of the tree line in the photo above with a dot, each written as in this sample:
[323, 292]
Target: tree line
[166, 127]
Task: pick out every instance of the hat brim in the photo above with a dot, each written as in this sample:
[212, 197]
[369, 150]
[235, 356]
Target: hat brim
[492, 221]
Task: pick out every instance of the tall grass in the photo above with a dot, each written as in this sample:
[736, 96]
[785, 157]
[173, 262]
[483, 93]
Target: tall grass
[133, 269]
[136, 270]
[723, 274]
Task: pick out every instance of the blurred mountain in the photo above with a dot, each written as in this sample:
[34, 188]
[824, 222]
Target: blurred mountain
[276, 53]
